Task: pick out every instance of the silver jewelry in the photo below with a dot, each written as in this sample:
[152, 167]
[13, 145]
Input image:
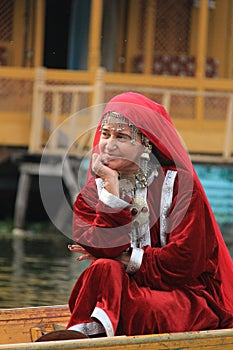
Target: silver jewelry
[111, 118]
[143, 173]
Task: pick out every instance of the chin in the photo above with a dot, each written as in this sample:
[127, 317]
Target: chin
[113, 165]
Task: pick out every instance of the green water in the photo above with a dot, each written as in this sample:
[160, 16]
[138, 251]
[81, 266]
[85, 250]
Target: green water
[37, 270]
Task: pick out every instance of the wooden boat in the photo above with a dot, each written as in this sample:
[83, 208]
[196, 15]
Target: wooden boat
[19, 328]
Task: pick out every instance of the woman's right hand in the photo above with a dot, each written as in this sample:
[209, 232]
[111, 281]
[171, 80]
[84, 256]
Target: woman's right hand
[109, 176]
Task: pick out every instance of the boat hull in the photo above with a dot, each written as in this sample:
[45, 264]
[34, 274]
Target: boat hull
[19, 328]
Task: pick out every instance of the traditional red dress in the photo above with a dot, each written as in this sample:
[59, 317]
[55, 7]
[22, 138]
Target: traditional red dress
[180, 277]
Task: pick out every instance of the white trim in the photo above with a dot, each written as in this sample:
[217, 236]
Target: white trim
[165, 204]
[135, 261]
[109, 198]
[101, 316]
[89, 328]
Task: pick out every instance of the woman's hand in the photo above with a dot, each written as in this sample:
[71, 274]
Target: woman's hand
[109, 176]
[124, 258]
[100, 167]
[75, 248]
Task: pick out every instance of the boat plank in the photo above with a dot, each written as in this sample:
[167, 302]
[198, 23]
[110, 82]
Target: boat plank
[16, 332]
[219, 340]
[16, 324]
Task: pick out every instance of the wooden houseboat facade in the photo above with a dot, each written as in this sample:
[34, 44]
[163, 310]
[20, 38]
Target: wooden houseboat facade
[180, 53]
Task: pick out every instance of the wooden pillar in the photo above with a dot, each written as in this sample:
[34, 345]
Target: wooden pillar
[98, 96]
[149, 36]
[94, 59]
[201, 54]
[229, 63]
[95, 112]
[39, 32]
[35, 141]
[18, 33]
[202, 39]
[131, 49]
[228, 130]
[222, 27]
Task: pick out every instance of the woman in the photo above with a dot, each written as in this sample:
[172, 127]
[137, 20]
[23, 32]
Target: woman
[158, 260]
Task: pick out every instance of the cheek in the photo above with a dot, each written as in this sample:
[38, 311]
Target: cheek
[136, 151]
[101, 146]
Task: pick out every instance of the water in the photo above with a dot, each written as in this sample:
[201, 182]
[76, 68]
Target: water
[38, 269]
[218, 184]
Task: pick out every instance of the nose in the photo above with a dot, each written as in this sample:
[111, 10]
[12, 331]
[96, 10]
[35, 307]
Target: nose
[111, 144]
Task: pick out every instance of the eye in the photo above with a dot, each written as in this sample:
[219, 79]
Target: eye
[123, 137]
[105, 134]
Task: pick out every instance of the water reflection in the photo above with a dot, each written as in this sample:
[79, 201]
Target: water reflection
[36, 271]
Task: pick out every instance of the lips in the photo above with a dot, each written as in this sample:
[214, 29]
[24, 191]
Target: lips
[109, 157]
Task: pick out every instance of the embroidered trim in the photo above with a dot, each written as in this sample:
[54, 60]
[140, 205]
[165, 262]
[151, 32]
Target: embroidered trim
[104, 319]
[166, 201]
[135, 261]
[89, 328]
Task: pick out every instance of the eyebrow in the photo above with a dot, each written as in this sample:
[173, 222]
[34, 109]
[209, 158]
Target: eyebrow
[118, 132]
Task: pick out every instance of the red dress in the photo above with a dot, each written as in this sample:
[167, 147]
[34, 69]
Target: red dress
[183, 285]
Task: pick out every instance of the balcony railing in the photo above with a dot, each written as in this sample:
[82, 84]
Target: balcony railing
[34, 101]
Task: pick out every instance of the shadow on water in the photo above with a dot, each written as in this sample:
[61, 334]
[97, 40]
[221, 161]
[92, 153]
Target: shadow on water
[36, 271]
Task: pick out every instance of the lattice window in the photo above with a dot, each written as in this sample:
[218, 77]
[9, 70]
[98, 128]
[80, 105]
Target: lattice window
[216, 107]
[172, 26]
[182, 106]
[66, 99]
[16, 95]
[6, 20]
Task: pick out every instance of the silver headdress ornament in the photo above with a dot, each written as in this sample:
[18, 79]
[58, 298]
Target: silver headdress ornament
[113, 118]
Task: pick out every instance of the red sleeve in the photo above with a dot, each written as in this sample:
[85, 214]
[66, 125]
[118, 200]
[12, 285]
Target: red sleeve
[186, 255]
[101, 230]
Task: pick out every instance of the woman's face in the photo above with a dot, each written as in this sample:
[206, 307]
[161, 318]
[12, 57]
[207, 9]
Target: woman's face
[117, 150]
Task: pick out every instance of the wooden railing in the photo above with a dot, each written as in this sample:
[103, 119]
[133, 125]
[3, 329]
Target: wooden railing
[60, 123]
[201, 108]
[206, 138]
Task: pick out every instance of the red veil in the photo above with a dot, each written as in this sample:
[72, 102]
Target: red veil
[155, 123]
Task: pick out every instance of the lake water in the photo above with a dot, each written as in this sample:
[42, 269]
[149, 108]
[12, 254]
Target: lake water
[38, 269]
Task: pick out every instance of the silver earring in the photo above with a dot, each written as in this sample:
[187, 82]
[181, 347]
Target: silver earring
[144, 159]
[142, 175]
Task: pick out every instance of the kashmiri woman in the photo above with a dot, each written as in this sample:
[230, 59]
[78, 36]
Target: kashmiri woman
[158, 262]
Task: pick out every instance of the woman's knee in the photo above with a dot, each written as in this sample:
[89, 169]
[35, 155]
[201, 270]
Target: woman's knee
[110, 264]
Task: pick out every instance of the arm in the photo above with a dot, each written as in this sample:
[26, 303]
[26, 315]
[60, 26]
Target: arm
[102, 230]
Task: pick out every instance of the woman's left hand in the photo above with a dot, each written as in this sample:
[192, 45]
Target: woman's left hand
[124, 258]
[76, 248]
